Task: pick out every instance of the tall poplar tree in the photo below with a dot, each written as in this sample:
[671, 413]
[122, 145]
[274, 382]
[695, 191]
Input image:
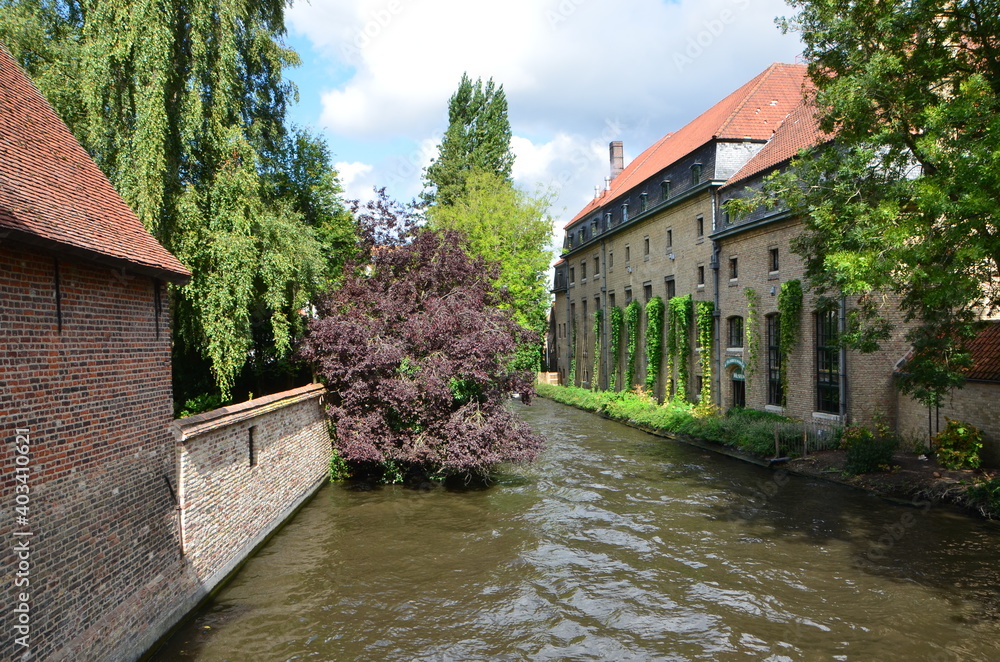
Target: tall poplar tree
[182, 104]
[478, 137]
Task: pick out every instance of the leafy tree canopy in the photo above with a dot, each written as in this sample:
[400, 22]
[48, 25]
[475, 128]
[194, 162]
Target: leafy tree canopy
[478, 137]
[415, 349]
[182, 105]
[904, 200]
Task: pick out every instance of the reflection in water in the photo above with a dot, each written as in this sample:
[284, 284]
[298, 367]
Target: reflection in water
[614, 546]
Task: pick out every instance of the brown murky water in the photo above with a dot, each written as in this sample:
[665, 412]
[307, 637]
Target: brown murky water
[614, 546]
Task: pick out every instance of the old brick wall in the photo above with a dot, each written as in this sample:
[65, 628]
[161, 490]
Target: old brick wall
[977, 403]
[95, 398]
[241, 468]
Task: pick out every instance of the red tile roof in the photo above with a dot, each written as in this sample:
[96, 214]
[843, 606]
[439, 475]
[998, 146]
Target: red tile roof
[985, 350]
[799, 131]
[753, 112]
[52, 194]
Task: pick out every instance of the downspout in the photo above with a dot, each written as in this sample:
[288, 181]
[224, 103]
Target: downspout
[716, 313]
[604, 317]
[842, 367]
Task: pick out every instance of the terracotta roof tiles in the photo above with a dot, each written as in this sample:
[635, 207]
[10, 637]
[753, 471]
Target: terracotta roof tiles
[985, 350]
[52, 193]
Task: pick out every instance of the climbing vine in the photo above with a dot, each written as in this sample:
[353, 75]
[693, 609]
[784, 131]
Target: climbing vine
[752, 332]
[654, 342]
[704, 320]
[790, 311]
[679, 343]
[572, 356]
[595, 381]
[617, 319]
[632, 312]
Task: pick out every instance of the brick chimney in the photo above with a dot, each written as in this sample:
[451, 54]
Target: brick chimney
[617, 158]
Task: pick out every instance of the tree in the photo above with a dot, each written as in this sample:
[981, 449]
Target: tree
[903, 200]
[182, 104]
[478, 137]
[415, 350]
[511, 228]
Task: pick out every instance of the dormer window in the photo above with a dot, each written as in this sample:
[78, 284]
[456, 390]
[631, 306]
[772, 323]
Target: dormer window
[643, 200]
[695, 174]
[607, 219]
[624, 212]
[665, 189]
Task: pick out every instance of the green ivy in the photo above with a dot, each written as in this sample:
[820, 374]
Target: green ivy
[679, 343]
[632, 312]
[790, 310]
[704, 321]
[617, 319]
[751, 331]
[572, 355]
[654, 342]
[595, 380]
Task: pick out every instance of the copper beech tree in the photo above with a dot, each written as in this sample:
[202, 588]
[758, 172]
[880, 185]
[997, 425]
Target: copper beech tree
[416, 352]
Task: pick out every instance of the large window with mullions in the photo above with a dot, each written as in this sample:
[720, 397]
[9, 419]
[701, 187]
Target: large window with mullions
[828, 378]
[775, 393]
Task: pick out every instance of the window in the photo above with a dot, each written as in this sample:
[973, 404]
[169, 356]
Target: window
[670, 237]
[607, 220]
[827, 363]
[583, 271]
[583, 235]
[735, 332]
[628, 253]
[645, 247]
[775, 394]
[597, 266]
[671, 288]
[251, 451]
[624, 212]
[665, 189]
[572, 275]
[773, 259]
[628, 295]
[593, 228]
[586, 325]
[611, 299]
[611, 261]
[647, 291]
[701, 275]
[739, 390]
[643, 202]
[700, 222]
[734, 272]
[695, 174]
[699, 382]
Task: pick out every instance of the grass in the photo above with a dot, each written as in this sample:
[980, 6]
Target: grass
[746, 429]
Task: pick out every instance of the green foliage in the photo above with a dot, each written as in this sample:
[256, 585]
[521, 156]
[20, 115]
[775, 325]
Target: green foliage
[790, 311]
[201, 403]
[868, 451]
[617, 319]
[752, 334]
[985, 497]
[572, 350]
[904, 200]
[182, 105]
[679, 311]
[654, 341]
[511, 228]
[477, 138]
[958, 446]
[704, 321]
[339, 467]
[595, 382]
[632, 313]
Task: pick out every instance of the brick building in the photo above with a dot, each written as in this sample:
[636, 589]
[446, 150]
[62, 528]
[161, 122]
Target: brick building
[659, 230]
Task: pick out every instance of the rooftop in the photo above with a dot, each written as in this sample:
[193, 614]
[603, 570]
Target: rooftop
[53, 195]
[985, 350]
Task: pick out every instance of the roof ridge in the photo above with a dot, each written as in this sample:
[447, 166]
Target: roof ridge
[761, 77]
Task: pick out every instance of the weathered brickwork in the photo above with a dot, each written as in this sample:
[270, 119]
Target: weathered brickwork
[977, 403]
[241, 467]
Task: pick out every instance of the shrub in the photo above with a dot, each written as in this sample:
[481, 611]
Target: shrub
[867, 451]
[958, 446]
[985, 497]
[339, 468]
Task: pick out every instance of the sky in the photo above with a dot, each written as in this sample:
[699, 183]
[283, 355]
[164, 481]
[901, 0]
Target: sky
[376, 76]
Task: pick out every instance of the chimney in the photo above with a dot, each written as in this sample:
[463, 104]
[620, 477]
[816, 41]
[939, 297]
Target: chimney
[617, 158]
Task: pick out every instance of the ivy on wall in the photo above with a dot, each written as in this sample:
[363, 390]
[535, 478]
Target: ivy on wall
[679, 311]
[704, 321]
[572, 349]
[790, 311]
[617, 319]
[595, 380]
[752, 333]
[654, 342]
[632, 312]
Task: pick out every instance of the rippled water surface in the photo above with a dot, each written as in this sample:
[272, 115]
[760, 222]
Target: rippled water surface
[615, 545]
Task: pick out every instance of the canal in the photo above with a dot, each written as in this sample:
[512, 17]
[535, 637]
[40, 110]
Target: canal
[614, 545]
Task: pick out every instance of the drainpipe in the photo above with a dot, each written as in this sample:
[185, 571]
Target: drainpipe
[717, 314]
[842, 329]
[604, 317]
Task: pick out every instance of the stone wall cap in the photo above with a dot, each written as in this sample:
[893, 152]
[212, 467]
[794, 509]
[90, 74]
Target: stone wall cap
[193, 426]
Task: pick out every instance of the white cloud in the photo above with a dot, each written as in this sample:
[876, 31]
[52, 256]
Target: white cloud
[356, 179]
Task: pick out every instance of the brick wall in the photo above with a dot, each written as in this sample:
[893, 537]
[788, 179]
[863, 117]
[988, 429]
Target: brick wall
[976, 403]
[242, 468]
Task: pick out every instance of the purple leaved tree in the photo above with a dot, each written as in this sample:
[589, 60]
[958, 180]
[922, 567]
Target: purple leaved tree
[416, 354]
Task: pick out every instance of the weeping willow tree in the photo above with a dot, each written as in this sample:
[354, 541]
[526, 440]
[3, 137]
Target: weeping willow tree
[182, 103]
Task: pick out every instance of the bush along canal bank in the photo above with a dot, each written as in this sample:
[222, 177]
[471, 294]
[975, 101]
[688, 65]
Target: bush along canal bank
[875, 460]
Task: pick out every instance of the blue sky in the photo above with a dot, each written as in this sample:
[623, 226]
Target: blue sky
[377, 74]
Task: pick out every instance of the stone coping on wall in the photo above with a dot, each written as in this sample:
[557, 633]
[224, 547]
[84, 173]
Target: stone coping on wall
[193, 426]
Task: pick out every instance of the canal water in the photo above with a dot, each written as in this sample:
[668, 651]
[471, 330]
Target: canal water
[614, 545]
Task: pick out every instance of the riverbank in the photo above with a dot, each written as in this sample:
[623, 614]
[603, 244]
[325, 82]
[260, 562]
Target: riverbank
[913, 478]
